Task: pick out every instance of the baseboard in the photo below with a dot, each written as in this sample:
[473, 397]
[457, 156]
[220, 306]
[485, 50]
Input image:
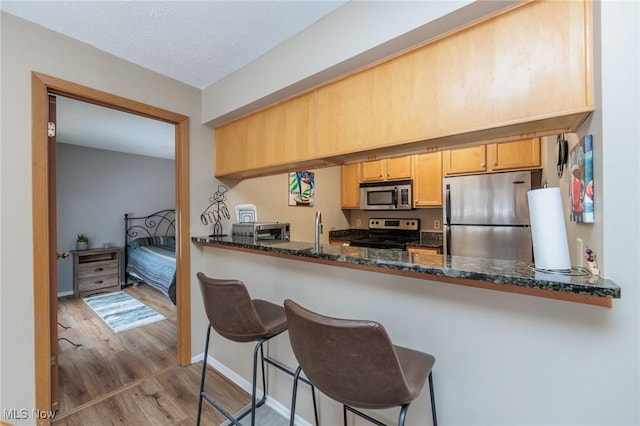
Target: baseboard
[65, 294]
[246, 386]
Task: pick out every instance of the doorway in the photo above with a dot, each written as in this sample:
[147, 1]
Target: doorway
[43, 85]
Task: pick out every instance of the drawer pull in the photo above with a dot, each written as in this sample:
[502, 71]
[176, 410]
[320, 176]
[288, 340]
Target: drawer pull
[99, 282]
[99, 269]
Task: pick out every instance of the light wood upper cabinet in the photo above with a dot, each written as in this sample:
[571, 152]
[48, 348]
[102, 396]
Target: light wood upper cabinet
[514, 155]
[353, 112]
[350, 186]
[387, 169]
[495, 157]
[465, 160]
[427, 179]
[279, 135]
[524, 71]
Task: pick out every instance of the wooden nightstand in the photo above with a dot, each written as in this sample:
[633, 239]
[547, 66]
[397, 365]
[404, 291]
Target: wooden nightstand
[96, 271]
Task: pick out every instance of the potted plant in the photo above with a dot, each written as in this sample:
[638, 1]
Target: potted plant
[82, 242]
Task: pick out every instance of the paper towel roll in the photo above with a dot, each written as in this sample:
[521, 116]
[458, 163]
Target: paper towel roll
[548, 230]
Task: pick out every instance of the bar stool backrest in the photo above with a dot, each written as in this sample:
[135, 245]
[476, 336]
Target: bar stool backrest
[230, 310]
[352, 361]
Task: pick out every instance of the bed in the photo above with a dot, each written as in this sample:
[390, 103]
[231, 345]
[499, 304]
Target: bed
[150, 251]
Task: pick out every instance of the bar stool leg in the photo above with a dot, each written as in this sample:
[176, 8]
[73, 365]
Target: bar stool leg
[433, 401]
[403, 414]
[204, 373]
[255, 404]
[293, 398]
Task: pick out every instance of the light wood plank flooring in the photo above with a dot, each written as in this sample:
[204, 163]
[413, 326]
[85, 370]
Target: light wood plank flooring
[132, 378]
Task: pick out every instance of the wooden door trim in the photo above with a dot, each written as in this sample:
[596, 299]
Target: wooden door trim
[41, 86]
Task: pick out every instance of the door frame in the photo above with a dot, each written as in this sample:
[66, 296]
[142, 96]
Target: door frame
[41, 86]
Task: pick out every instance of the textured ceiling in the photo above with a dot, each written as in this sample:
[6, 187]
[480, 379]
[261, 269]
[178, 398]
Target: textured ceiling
[195, 42]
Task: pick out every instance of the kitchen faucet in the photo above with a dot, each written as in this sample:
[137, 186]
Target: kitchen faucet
[318, 230]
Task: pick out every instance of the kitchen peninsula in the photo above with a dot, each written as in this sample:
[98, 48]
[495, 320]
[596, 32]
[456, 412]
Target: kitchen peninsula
[501, 275]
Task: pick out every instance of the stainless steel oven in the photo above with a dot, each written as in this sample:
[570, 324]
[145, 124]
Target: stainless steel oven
[390, 195]
[390, 233]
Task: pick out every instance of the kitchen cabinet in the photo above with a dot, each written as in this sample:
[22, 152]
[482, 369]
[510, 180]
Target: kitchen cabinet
[350, 186]
[277, 136]
[525, 70]
[352, 113]
[427, 179]
[96, 271]
[496, 157]
[514, 155]
[424, 250]
[387, 169]
[465, 160]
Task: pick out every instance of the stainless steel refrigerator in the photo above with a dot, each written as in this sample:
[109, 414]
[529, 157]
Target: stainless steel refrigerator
[487, 215]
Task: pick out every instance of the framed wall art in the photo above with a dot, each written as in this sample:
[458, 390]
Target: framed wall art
[301, 189]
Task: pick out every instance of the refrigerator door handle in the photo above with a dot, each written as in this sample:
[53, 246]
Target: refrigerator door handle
[447, 207]
[448, 241]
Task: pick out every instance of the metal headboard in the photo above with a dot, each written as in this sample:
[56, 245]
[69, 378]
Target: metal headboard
[159, 224]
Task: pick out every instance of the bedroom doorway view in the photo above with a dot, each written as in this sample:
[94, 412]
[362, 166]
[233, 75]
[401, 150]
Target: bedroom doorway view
[101, 346]
[111, 163]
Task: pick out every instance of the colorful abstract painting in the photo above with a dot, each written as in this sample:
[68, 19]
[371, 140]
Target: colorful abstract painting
[581, 194]
[301, 189]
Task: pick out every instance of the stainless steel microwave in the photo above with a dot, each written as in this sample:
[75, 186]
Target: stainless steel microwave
[390, 195]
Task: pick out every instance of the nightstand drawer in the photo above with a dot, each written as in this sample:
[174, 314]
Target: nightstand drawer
[93, 269]
[97, 282]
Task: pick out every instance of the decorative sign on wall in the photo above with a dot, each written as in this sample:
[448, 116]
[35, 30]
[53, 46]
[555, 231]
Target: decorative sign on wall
[581, 193]
[301, 189]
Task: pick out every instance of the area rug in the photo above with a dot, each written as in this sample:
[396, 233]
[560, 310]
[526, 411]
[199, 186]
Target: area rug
[265, 416]
[122, 312]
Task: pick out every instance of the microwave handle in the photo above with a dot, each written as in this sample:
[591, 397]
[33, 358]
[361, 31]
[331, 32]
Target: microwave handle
[395, 197]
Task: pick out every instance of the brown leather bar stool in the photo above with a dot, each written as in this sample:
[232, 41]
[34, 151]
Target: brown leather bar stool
[234, 315]
[355, 363]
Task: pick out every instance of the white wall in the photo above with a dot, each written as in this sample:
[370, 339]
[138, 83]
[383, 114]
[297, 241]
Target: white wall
[95, 188]
[25, 48]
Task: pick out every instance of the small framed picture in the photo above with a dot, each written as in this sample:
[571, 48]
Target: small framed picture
[301, 189]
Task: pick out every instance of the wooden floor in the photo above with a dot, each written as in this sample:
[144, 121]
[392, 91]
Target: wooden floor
[132, 378]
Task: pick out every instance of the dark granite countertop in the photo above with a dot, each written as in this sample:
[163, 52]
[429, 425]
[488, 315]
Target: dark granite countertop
[497, 272]
[347, 234]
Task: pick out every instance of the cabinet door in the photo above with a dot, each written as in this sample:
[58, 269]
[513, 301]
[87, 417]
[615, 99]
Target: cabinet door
[278, 135]
[288, 131]
[465, 160]
[423, 250]
[427, 180]
[373, 170]
[352, 113]
[514, 155]
[398, 168]
[350, 186]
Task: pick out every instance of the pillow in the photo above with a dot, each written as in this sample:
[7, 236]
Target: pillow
[152, 241]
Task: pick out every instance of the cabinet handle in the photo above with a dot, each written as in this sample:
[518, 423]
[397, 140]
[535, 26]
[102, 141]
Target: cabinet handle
[482, 164]
[495, 163]
[99, 282]
[99, 269]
